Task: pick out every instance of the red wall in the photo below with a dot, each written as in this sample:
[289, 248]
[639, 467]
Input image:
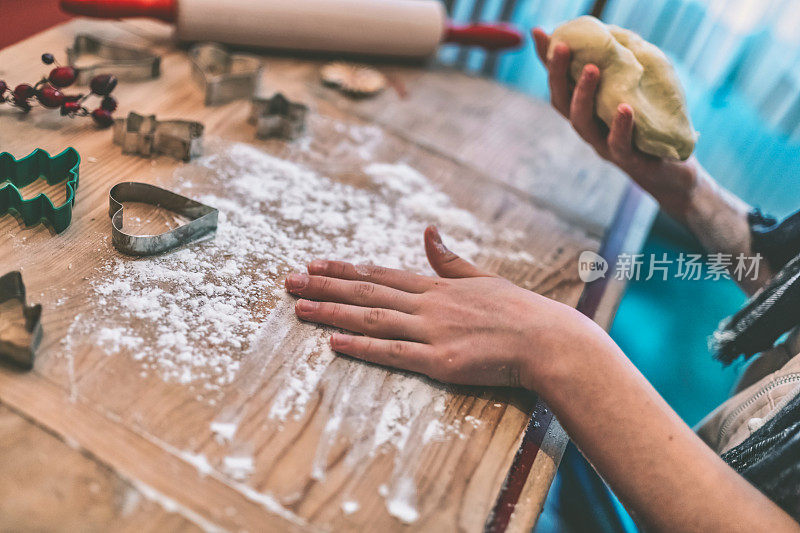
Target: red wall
[22, 18]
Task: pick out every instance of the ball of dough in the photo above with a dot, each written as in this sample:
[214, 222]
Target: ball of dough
[634, 72]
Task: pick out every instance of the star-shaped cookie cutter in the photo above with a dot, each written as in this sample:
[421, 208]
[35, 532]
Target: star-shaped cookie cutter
[203, 218]
[278, 116]
[146, 136]
[123, 61]
[225, 76]
[18, 342]
[18, 173]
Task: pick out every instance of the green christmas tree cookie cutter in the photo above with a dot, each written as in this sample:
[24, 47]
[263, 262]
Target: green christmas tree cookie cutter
[16, 174]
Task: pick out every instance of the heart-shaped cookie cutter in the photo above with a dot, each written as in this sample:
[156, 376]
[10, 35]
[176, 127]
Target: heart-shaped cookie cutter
[147, 136]
[203, 218]
[225, 76]
[123, 61]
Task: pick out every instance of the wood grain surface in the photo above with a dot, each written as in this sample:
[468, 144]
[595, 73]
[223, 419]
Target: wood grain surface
[102, 445]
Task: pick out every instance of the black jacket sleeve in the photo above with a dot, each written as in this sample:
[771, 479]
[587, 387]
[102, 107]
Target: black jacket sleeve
[778, 242]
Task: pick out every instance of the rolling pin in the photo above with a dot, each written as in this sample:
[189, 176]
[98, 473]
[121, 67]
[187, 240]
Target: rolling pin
[398, 28]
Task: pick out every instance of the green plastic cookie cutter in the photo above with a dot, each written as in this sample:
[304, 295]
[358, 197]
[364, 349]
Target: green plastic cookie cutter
[18, 173]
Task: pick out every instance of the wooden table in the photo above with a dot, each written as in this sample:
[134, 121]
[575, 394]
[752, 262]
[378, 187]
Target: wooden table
[92, 443]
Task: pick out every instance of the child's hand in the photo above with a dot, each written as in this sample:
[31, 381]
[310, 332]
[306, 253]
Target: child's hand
[467, 327]
[670, 182]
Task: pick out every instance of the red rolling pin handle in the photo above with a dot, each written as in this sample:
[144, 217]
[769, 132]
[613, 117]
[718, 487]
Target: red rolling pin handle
[165, 10]
[493, 36]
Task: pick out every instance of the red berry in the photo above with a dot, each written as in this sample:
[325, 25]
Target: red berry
[108, 103]
[22, 92]
[22, 104]
[62, 76]
[50, 97]
[102, 117]
[70, 108]
[48, 59]
[103, 84]
[3, 87]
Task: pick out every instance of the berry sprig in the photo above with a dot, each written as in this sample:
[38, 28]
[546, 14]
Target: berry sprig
[47, 93]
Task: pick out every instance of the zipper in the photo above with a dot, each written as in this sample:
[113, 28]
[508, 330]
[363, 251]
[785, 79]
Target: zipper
[731, 418]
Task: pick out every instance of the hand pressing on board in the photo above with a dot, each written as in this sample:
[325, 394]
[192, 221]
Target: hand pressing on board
[669, 181]
[467, 327]
[472, 327]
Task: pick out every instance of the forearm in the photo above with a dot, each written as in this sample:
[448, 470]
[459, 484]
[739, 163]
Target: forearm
[667, 477]
[715, 216]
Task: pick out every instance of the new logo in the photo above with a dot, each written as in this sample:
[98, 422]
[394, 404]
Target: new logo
[591, 266]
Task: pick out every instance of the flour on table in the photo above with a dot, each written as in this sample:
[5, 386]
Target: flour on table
[239, 467]
[199, 461]
[350, 506]
[223, 431]
[201, 314]
[402, 503]
[189, 315]
[434, 431]
[172, 506]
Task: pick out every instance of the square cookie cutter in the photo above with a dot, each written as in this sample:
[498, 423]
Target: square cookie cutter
[147, 136]
[224, 76]
[123, 61]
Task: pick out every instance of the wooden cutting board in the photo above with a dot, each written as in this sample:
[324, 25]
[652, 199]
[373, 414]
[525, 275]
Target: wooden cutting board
[95, 439]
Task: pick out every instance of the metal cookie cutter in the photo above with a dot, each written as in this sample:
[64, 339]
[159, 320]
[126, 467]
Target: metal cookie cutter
[277, 116]
[20, 338]
[145, 135]
[203, 218]
[123, 61]
[23, 172]
[225, 76]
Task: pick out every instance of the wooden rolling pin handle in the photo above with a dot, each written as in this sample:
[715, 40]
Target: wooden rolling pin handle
[165, 10]
[489, 36]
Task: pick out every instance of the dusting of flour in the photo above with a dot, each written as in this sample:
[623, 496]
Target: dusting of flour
[189, 315]
[195, 315]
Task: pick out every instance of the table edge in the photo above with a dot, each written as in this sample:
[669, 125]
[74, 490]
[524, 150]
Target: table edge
[590, 300]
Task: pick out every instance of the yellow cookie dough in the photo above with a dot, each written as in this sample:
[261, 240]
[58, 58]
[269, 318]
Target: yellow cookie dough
[634, 72]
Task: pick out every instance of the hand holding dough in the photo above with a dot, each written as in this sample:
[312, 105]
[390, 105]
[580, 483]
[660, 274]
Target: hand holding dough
[634, 72]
